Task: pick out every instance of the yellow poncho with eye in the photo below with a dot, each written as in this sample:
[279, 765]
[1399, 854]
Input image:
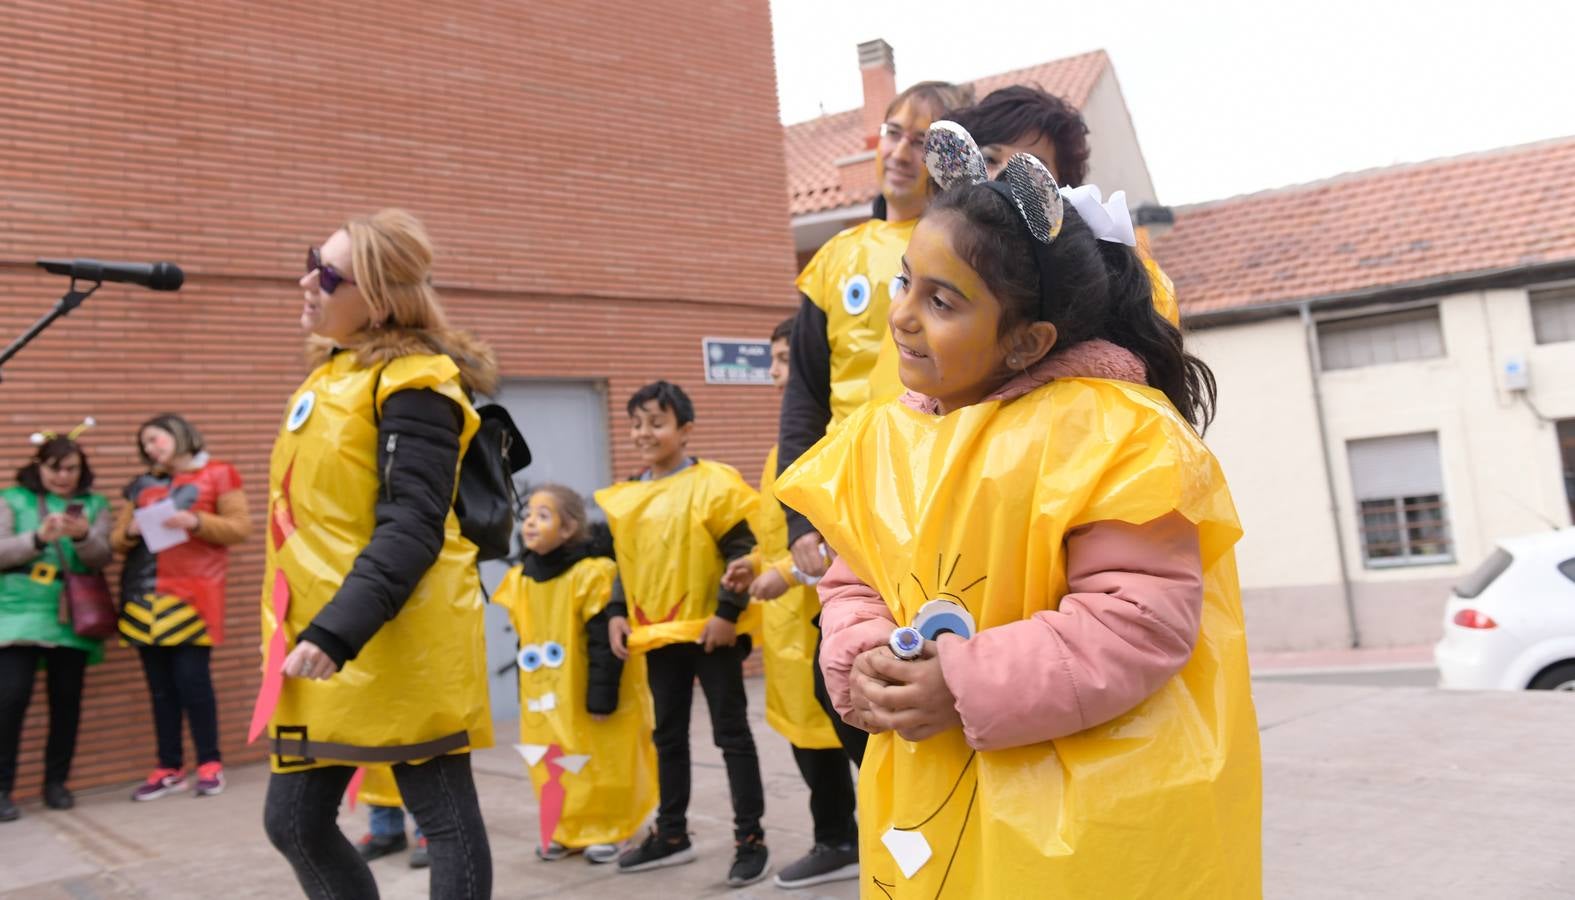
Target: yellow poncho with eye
[595, 781]
[849, 279]
[665, 532]
[1163, 801]
[418, 689]
[788, 632]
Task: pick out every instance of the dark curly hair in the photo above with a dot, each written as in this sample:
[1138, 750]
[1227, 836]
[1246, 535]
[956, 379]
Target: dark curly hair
[52, 451]
[1025, 112]
[668, 396]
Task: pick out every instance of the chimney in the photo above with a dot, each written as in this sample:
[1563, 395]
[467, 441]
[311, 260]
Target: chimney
[879, 71]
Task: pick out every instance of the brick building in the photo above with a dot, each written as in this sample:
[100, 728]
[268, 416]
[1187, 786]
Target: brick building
[602, 197]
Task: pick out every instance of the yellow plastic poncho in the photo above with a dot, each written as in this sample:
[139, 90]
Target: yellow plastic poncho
[1164, 801]
[665, 533]
[849, 279]
[788, 632]
[418, 688]
[604, 772]
[378, 787]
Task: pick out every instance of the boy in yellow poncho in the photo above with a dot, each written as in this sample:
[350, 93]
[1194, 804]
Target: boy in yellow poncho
[585, 718]
[675, 527]
[1066, 710]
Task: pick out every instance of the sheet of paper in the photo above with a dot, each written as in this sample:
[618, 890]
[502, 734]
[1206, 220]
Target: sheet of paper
[151, 520]
[908, 848]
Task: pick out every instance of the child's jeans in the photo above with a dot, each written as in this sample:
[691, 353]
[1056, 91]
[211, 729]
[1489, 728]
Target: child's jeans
[387, 821]
[672, 671]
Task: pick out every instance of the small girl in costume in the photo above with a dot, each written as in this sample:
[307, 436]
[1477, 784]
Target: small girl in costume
[1072, 717]
[585, 722]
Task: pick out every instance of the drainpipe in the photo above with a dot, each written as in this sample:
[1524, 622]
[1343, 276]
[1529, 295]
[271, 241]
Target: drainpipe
[1314, 367]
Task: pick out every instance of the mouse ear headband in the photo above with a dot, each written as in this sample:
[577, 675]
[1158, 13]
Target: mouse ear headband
[954, 159]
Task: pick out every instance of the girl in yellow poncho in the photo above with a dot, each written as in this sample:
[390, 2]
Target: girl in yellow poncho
[1075, 718]
[585, 718]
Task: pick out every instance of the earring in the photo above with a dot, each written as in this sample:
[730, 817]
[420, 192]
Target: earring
[1012, 361]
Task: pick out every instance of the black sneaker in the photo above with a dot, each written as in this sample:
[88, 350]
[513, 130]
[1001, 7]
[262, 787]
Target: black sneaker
[56, 796]
[8, 810]
[751, 862]
[823, 863]
[377, 846]
[657, 852]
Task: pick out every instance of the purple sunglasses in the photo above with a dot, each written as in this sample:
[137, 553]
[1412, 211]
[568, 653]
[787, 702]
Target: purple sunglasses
[328, 277]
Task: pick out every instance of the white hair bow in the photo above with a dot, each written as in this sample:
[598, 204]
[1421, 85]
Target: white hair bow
[1108, 219]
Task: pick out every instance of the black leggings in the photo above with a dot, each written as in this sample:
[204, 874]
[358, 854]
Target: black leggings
[66, 666]
[302, 808]
[179, 681]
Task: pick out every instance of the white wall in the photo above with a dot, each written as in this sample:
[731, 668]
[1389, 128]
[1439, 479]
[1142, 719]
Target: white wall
[1501, 465]
[1116, 161]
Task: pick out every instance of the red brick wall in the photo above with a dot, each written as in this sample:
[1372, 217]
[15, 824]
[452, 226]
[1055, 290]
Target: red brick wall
[605, 184]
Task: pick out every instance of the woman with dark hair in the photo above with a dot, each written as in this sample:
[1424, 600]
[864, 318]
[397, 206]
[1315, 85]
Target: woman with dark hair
[172, 601]
[50, 524]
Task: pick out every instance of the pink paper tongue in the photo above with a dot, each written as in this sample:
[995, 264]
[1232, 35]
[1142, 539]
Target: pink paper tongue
[353, 790]
[273, 668]
[551, 800]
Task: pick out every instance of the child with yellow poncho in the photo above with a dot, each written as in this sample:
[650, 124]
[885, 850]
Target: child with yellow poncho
[794, 695]
[676, 527]
[585, 719]
[1070, 713]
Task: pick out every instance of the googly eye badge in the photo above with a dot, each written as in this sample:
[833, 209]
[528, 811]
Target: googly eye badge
[552, 654]
[531, 657]
[856, 295]
[939, 617]
[906, 642]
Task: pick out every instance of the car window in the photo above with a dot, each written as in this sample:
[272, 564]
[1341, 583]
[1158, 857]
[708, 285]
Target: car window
[1490, 569]
[1568, 568]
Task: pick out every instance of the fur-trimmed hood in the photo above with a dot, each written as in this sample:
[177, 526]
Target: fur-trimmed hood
[478, 368]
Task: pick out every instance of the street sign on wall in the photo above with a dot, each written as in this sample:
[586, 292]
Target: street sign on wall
[736, 361]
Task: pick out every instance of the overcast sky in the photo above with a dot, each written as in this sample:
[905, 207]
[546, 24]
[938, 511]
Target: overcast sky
[1231, 96]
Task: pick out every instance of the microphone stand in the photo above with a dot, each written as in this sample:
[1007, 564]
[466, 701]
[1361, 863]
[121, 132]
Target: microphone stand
[72, 299]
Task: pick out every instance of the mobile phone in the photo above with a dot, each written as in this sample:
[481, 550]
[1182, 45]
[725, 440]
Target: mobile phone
[74, 510]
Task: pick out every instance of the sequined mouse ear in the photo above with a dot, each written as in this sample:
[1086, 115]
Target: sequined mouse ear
[1036, 195]
[952, 157]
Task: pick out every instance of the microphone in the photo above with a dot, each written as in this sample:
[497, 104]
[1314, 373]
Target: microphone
[161, 276]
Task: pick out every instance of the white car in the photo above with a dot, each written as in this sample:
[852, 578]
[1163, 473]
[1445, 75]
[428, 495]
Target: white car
[1511, 624]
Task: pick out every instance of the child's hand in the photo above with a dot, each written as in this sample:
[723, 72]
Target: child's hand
[863, 675]
[769, 586]
[740, 572]
[618, 636]
[808, 556]
[914, 700]
[718, 632]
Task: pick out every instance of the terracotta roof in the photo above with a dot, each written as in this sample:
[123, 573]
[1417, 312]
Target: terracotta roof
[1397, 226]
[813, 147]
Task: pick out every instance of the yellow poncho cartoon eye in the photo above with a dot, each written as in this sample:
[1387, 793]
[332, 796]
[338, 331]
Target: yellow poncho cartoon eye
[419, 687]
[595, 780]
[849, 279]
[666, 532]
[1163, 801]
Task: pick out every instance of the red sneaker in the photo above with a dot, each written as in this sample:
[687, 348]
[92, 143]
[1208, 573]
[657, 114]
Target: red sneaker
[159, 783]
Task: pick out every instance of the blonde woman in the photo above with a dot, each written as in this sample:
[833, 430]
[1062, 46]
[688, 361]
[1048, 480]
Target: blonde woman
[372, 612]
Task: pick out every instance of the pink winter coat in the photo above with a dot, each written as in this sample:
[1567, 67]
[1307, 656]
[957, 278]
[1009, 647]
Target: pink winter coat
[1127, 624]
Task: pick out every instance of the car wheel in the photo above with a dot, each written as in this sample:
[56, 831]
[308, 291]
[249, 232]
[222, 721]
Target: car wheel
[1557, 677]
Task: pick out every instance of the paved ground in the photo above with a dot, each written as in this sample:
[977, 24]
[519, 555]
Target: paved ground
[1389, 792]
